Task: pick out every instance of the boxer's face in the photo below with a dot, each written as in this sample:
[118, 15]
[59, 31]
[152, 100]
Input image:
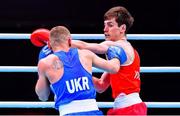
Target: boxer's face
[112, 31]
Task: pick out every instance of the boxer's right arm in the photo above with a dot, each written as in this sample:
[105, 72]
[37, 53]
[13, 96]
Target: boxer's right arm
[103, 83]
[42, 86]
[111, 66]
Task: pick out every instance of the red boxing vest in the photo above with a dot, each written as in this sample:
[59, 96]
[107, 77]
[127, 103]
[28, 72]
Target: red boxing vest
[127, 80]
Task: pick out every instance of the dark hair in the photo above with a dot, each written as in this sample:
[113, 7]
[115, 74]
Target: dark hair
[121, 15]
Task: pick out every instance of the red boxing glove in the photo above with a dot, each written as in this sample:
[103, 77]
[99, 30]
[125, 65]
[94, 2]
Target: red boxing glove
[40, 37]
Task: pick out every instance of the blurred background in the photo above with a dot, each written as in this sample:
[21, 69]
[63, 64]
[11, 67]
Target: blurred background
[86, 17]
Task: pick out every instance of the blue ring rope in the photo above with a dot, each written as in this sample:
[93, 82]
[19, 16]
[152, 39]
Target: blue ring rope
[34, 104]
[100, 36]
[95, 70]
[92, 37]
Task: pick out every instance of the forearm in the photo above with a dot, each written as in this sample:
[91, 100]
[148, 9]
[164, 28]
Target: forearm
[113, 65]
[94, 47]
[78, 44]
[97, 84]
[101, 84]
[42, 93]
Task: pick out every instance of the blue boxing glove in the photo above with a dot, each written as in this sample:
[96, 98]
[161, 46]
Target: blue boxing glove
[45, 51]
[117, 52]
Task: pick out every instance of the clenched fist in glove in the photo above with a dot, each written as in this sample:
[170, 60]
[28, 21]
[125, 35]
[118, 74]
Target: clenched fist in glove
[40, 37]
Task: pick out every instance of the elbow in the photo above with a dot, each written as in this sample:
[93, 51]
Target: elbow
[100, 90]
[43, 96]
[115, 70]
[101, 87]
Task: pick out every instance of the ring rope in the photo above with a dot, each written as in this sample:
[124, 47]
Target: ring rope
[20, 104]
[100, 36]
[95, 70]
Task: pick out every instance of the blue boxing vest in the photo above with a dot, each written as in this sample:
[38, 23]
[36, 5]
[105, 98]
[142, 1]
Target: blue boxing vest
[45, 51]
[76, 83]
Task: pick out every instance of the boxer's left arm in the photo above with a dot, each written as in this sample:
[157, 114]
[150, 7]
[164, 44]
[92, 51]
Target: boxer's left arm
[42, 88]
[40, 37]
[94, 47]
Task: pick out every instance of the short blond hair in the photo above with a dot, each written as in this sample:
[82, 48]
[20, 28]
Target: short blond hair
[58, 34]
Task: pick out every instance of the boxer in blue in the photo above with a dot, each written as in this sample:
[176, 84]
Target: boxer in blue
[68, 73]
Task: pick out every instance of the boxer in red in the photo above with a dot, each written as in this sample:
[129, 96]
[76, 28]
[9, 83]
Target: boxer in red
[126, 83]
